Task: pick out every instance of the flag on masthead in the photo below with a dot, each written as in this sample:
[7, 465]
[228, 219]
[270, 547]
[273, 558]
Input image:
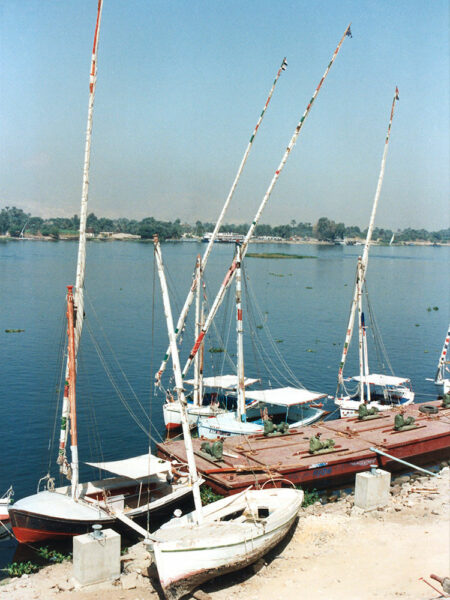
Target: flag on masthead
[349, 32]
[284, 64]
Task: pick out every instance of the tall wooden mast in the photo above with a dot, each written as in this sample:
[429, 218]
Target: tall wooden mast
[195, 282]
[361, 268]
[71, 363]
[232, 269]
[81, 261]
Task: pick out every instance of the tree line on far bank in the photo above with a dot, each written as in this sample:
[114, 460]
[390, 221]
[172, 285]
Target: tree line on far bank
[16, 223]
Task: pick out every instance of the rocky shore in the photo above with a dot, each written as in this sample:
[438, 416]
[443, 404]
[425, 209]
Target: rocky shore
[335, 552]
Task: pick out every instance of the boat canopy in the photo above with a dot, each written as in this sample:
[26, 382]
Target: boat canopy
[226, 382]
[287, 396]
[135, 467]
[383, 380]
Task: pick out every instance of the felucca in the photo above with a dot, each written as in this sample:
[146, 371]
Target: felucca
[143, 484]
[225, 535]
[375, 391]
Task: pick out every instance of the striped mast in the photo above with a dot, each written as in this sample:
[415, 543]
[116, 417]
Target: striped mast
[240, 341]
[197, 376]
[81, 260]
[195, 282]
[232, 269]
[71, 365]
[363, 261]
[440, 374]
[366, 360]
[194, 479]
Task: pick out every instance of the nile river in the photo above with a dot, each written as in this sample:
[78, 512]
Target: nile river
[303, 303]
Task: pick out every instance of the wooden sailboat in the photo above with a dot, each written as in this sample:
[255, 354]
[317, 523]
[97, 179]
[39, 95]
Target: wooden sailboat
[374, 390]
[142, 484]
[442, 378]
[145, 484]
[289, 407]
[232, 270]
[226, 535]
[199, 405]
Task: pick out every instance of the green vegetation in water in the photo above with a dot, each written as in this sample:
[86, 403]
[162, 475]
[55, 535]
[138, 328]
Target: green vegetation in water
[429, 309]
[208, 496]
[310, 497]
[279, 341]
[53, 556]
[259, 327]
[17, 569]
[417, 325]
[310, 350]
[276, 274]
[216, 350]
[14, 330]
[308, 287]
[276, 255]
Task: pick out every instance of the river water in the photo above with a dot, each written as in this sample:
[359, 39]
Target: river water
[294, 322]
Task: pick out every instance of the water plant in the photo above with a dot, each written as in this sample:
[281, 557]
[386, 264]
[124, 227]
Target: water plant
[208, 496]
[310, 497]
[17, 569]
[52, 555]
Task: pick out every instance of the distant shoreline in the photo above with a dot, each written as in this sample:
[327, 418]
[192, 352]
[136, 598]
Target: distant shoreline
[131, 238]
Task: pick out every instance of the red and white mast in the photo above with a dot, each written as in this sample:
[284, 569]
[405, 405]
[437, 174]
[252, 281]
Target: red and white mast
[196, 280]
[81, 261]
[71, 365]
[232, 269]
[198, 393]
[240, 340]
[363, 262]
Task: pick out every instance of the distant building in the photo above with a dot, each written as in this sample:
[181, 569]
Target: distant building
[224, 237]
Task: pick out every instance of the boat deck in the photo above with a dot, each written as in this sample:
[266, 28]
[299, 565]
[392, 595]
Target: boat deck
[282, 460]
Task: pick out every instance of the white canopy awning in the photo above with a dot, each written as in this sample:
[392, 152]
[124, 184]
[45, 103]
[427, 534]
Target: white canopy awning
[384, 380]
[135, 467]
[287, 396]
[225, 382]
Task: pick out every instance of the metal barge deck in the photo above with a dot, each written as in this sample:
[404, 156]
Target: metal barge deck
[278, 461]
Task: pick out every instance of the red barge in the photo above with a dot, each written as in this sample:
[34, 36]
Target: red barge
[280, 461]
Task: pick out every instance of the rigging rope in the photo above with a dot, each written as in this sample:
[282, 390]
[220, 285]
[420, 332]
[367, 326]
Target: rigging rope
[59, 383]
[115, 385]
[287, 374]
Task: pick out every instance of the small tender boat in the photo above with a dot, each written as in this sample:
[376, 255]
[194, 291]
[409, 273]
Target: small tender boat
[234, 532]
[225, 535]
[442, 378]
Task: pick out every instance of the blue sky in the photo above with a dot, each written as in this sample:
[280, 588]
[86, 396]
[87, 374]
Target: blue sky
[181, 85]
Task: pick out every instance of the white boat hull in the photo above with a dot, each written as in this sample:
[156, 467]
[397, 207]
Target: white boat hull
[227, 425]
[348, 407]
[55, 514]
[172, 416]
[444, 386]
[187, 554]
